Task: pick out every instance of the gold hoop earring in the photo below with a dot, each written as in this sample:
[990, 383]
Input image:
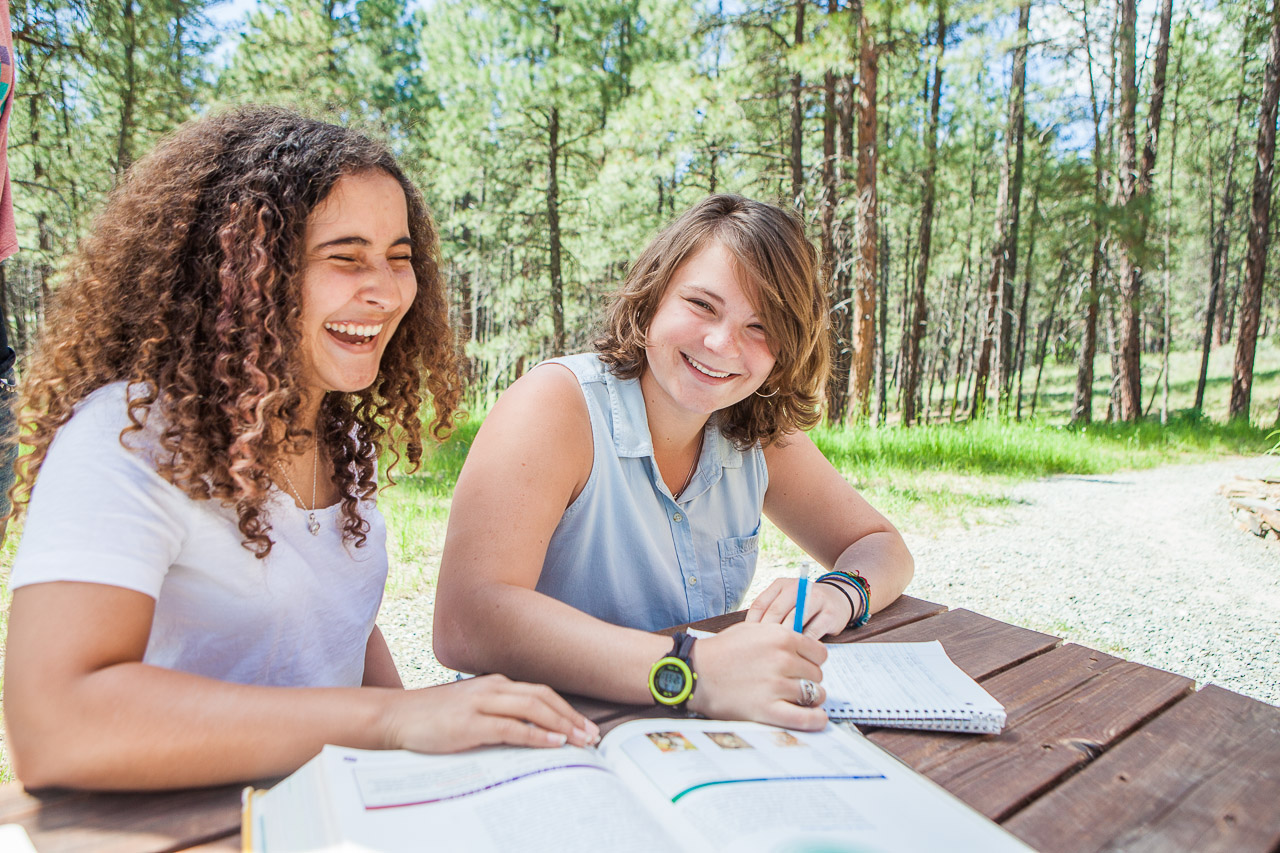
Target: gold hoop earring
[766, 396]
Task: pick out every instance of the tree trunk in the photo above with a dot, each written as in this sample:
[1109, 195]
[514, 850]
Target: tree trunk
[1259, 230]
[467, 321]
[864, 283]
[1221, 242]
[1134, 252]
[842, 295]
[1017, 123]
[962, 308]
[1127, 401]
[881, 360]
[919, 310]
[1082, 405]
[830, 127]
[829, 191]
[963, 353]
[553, 232]
[1026, 295]
[1004, 251]
[1113, 353]
[1168, 225]
[905, 305]
[124, 137]
[1230, 299]
[797, 119]
[1041, 352]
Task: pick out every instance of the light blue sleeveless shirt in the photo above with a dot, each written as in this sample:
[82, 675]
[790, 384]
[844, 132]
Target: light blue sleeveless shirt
[625, 551]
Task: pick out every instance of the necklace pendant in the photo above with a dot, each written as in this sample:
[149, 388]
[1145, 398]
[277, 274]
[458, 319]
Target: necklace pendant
[313, 526]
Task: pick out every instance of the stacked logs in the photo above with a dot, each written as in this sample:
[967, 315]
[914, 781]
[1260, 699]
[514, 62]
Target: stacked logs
[1255, 505]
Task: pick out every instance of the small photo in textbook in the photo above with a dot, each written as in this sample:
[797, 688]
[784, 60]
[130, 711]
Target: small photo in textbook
[728, 740]
[670, 741]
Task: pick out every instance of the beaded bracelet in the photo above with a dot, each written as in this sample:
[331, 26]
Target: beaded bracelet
[853, 578]
[859, 583]
[857, 614]
[839, 587]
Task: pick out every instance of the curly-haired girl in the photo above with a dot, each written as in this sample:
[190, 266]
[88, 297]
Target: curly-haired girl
[632, 482]
[245, 329]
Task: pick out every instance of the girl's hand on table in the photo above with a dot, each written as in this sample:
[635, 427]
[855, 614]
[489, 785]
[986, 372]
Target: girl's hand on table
[828, 610]
[753, 672]
[491, 709]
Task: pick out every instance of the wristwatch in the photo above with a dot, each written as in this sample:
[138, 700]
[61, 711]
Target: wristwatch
[672, 679]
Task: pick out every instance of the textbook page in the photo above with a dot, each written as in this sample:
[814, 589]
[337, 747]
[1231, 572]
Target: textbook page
[747, 786]
[497, 799]
[908, 685]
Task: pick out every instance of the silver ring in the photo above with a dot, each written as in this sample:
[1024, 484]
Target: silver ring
[808, 692]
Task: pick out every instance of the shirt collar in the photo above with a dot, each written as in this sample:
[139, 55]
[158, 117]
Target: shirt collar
[631, 437]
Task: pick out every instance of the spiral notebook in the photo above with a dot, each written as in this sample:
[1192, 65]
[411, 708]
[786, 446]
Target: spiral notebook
[906, 685]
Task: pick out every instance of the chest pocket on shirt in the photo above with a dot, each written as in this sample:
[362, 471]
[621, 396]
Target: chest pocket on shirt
[738, 566]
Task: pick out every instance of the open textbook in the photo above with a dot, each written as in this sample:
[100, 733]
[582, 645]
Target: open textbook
[696, 785]
[906, 685]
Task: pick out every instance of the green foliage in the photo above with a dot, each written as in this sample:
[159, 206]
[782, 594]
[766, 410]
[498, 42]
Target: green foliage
[97, 84]
[441, 463]
[644, 106]
[356, 60]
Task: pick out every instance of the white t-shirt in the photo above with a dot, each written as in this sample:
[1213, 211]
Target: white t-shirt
[101, 513]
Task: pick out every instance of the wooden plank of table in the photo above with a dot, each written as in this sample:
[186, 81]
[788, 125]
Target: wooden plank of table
[69, 822]
[596, 710]
[1203, 776]
[1065, 707]
[903, 611]
[978, 644]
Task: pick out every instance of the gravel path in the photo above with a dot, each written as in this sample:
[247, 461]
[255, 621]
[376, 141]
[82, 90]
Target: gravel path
[1145, 565]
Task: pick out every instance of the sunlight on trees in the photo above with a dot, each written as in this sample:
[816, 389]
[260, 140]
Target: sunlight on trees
[990, 182]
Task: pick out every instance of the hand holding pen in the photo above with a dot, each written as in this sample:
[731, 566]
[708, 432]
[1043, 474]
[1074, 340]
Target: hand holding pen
[802, 595]
[816, 609]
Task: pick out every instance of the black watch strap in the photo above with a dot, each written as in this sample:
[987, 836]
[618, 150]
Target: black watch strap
[684, 650]
[681, 651]
[683, 647]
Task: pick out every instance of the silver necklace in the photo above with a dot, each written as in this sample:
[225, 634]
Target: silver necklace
[688, 478]
[313, 525]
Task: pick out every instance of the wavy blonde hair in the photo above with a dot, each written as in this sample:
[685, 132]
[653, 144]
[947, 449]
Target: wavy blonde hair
[188, 288]
[779, 270]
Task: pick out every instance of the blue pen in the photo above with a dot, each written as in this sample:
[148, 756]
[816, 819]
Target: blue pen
[802, 591]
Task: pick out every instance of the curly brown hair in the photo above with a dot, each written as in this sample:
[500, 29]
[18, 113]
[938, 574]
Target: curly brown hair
[779, 269]
[188, 288]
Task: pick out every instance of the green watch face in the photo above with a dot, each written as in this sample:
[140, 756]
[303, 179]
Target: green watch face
[671, 681]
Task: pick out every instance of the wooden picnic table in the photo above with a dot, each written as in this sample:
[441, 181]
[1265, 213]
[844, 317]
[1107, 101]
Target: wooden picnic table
[1098, 754]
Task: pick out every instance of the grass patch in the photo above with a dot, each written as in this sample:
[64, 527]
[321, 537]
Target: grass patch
[417, 511]
[1032, 448]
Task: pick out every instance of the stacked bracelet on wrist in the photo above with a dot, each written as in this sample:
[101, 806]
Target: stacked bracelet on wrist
[840, 588]
[844, 581]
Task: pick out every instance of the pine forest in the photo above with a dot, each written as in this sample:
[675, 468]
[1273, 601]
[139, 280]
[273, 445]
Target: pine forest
[999, 189]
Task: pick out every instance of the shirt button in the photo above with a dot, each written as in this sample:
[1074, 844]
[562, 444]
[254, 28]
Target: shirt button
[693, 580]
[677, 517]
